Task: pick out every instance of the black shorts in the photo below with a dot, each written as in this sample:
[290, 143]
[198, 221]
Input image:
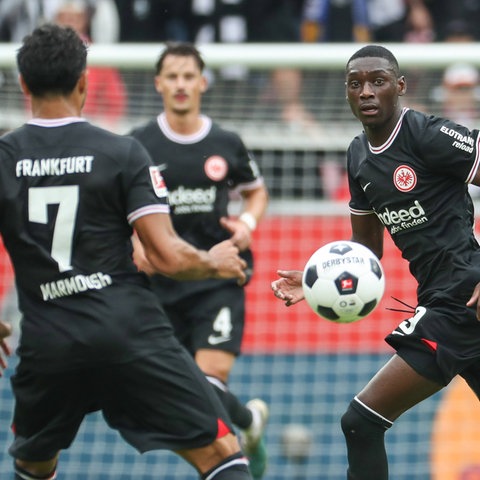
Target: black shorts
[162, 401]
[440, 342]
[213, 319]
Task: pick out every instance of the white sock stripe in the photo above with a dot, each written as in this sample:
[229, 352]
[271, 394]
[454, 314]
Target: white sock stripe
[218, 383]
[26, 476]
[373, 411]
[236, 461]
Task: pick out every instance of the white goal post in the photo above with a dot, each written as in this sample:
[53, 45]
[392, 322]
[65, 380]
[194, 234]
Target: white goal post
[268, 56]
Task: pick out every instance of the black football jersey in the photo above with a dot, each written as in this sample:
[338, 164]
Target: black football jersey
[69, 193]
[417, 185]
[200, 172]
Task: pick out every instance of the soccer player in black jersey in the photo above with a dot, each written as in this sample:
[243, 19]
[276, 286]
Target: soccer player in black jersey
[202, 164]
[93, 336]
[409, 173]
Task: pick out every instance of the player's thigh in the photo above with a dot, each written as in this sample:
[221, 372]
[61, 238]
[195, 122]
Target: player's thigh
[163, 401]
[396, 388]
[48, 411]
[218, 319]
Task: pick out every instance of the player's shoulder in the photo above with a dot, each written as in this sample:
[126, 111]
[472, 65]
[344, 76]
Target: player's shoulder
[9, 140]
[144, 129]
[358, 144]
[226, 134]
[418, 122]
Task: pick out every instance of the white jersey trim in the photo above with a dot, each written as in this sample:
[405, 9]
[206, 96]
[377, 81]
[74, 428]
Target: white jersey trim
[476, 163]
[184, 139]
[55, 122]
[355, 211]
[391, 138]
[147, 210]
[246, 187]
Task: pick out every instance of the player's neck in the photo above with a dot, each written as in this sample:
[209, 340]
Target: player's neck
[187, 124]
[58, 107]
[377, 135]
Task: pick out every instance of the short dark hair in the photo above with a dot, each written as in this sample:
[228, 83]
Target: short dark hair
[51, 60]
[376, 51]
[181, 49]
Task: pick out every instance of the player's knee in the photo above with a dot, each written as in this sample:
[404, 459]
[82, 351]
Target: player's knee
[234, 467]
[32, 471]
[361, 422]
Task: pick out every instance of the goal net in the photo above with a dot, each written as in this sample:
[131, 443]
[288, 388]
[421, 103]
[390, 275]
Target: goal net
[306, 368]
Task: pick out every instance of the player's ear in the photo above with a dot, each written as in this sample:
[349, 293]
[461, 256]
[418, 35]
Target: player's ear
[83, 82]
[158, 84]
[204, 84]
[23, 86]
[402, 86]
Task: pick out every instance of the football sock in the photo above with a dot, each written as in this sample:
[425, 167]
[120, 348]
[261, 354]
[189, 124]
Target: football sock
[239, 414]
[364, 431]
[234, 467]
[21, 474]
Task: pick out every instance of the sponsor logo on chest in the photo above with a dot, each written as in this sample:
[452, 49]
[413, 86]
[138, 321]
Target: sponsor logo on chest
[404, 218]
[192, 200]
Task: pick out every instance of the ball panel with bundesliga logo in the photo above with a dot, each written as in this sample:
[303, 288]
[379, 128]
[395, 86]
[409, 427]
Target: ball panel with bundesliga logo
[343, 281]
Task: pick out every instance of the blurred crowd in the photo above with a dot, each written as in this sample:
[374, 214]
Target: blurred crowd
[254, 20]
[457, 95]
[234, 21]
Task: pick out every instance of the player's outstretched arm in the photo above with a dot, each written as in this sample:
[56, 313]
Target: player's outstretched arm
[289, 287]
[5, 331]
[170, 255]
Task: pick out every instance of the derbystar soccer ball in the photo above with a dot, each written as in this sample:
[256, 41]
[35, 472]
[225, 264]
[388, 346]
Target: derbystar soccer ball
[343, 281]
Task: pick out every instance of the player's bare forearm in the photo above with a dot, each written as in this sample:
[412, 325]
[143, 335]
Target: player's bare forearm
[241, 228]
[288, 287]
[168, 254]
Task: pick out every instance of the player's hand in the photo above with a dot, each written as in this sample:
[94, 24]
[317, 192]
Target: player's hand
[241, 233]
[229, 264]
[475, 300]
[5, 331]
[288, 288]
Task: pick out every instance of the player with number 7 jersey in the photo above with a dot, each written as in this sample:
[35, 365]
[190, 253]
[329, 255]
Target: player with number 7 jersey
[93, 336]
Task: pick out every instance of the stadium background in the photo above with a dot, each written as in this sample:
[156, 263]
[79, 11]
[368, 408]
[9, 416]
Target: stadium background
[306, 368]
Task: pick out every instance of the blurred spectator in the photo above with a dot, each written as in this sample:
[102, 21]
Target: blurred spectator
[18, 18]
[154, 20]
[106, 99]
[105, 22]
[458, 31]
[454, 16]
[336, 21]
[459, 94]
[400, 20]
[278, 21]
[459, 100]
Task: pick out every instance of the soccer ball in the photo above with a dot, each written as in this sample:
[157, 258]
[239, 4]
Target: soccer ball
[343, 281]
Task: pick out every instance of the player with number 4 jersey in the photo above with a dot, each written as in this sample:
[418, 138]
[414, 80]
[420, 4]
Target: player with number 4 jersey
[203, 165]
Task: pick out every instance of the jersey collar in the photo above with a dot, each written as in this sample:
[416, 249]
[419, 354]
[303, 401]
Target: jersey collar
[185, 139]
[391, 138]
[55, 122]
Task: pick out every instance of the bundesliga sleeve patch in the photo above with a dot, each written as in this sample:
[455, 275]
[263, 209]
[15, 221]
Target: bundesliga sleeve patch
[159, 186]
